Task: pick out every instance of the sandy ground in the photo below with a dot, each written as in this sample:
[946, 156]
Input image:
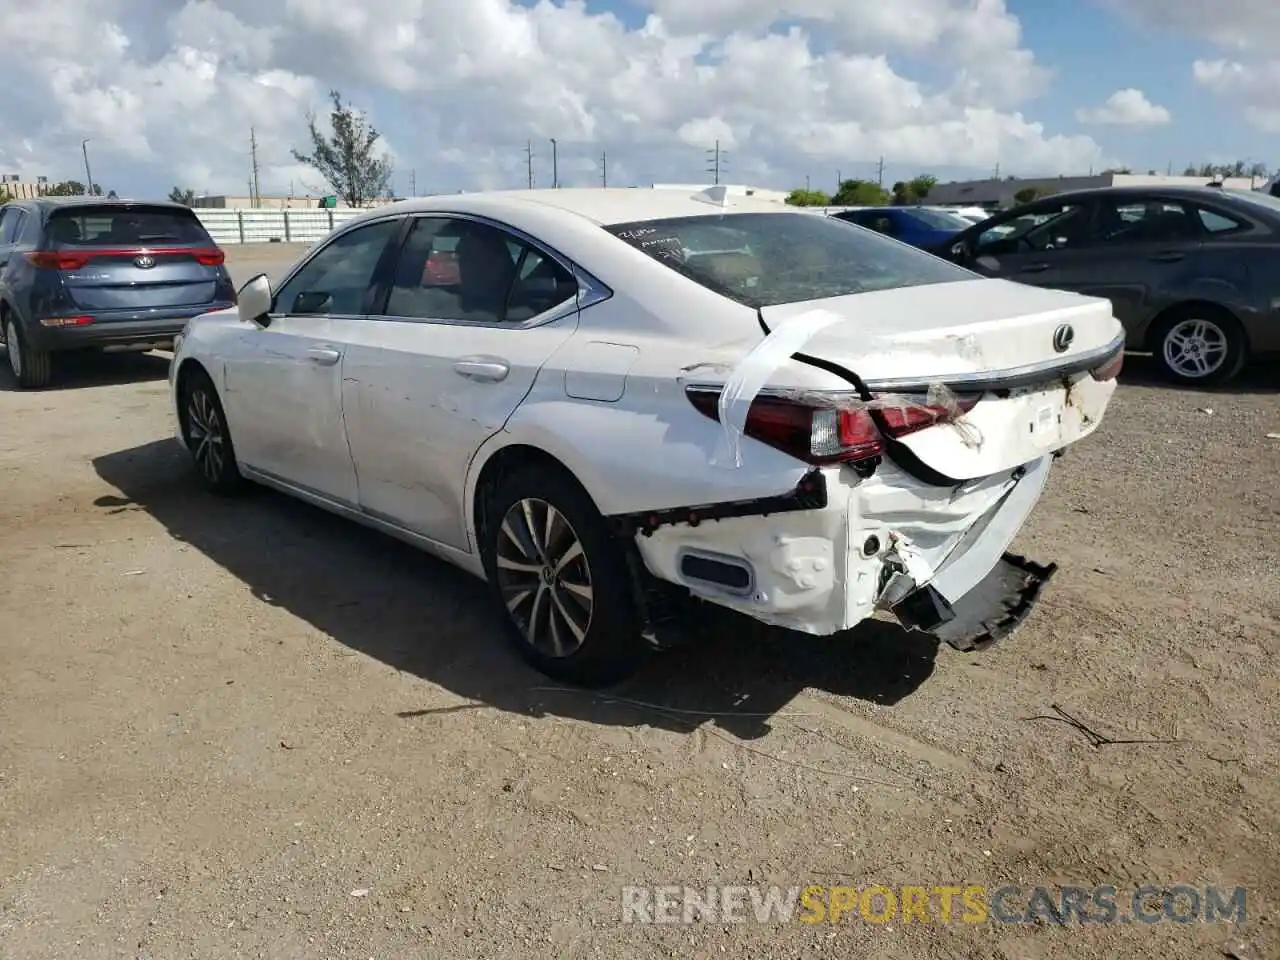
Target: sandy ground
[248, 729]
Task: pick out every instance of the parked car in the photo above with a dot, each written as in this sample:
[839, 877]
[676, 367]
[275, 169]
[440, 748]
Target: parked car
[603, 417]
[918, 226]
[1189, 271]
[84, 273]
[972, 214]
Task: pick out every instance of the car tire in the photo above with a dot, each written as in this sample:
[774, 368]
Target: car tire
[571, 611]
[206, 435]
[31, 367]
[1199, 346]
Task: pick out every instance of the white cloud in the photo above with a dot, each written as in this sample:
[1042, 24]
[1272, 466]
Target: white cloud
[1249, 29]
[169, 92]
[1126, 108]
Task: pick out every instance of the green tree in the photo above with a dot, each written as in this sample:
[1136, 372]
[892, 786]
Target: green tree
[920, 186]
[349, 158]
[1027, 195]
[808, 198]
[71, 188]
[185, 197]
[5, 196]
[860, 193]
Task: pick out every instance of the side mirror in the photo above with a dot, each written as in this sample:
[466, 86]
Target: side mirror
[254, 301]
[312, 301]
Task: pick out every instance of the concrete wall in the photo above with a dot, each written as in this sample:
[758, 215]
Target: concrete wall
[233, 226]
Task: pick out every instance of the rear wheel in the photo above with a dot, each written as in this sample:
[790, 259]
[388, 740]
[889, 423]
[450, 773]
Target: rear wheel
[1199, 346]
[204, 429]
[31, 366]
[562, 579]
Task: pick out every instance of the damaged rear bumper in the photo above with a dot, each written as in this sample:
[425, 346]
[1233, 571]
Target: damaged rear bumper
[842, 546]
[989, 612]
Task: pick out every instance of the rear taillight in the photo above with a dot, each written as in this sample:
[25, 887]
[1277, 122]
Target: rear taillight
[66, 321]
[79, 259]
[56, 260]
[906, 414]
[1110, 369]
[827, 433]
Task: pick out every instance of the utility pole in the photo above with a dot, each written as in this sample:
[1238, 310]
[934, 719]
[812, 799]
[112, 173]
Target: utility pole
[413, 183]
[880, 172]
[806, 183]
[715, 160]
[253, 159]
[839, 180]
[604, 169]
[528, 160]
[84, 148]
[555, 166]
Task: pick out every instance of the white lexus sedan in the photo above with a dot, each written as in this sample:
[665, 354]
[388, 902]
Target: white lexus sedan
[607, 402]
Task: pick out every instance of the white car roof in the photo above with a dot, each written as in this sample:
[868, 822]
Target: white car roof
[600, 205]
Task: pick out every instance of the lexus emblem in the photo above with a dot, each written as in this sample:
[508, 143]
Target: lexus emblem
[1063, 337]
[145, 262]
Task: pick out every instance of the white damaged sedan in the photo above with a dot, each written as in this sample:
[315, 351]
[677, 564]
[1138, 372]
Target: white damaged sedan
[607, 402]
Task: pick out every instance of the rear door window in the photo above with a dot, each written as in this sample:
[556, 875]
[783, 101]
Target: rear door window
[10, 225]
[134, 225]
[464, 270]
[1126, 222]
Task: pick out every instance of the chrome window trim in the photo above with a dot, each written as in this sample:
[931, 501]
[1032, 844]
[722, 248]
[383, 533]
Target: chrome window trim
[591, 290]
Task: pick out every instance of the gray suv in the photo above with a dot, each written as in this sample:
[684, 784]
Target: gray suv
[84, 273]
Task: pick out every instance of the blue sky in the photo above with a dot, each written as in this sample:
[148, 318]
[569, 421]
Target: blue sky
[167, 90]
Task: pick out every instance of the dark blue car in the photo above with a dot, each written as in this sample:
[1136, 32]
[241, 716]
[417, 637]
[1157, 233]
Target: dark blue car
[84, 273]
[918, 226]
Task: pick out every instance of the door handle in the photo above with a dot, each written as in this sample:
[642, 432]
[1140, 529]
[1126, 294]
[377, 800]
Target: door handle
[325, 356]
[483, 369]
[1034, 268]
[1169, 256]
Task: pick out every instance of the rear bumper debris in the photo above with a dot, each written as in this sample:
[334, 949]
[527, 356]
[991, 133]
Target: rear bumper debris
[995, 607]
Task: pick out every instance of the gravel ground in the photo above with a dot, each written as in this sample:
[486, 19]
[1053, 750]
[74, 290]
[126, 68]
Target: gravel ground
[249, 729]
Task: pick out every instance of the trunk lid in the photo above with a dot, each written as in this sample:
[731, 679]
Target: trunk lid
[1018, 357]
[129, 257]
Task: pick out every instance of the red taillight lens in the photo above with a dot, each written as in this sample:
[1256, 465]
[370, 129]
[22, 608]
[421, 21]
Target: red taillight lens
[1110, 369]
[78, 259]
[821, 434]
[916, 413]
[57, 260]
[814, 434]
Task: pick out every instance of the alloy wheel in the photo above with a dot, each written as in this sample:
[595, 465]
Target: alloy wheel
[14, 348]
[205, 434]
[545, 577]
[1195, 348]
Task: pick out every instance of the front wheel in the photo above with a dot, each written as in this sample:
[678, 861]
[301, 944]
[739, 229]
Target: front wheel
[204, 429]
[562, 579]
[1200, 347]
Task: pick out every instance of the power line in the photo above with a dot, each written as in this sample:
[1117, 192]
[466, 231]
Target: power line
[716, 162]
[255, 197]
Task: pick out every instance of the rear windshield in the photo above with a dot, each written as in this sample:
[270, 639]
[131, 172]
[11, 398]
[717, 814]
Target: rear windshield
[766, 259]
[112, 226]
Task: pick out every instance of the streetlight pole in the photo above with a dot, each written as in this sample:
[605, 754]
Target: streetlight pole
[555, 171]
[84, 148]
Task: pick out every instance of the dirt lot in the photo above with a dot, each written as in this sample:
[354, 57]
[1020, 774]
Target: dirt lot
[247, 729]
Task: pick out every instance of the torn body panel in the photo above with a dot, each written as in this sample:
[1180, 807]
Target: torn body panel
[824, 570]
